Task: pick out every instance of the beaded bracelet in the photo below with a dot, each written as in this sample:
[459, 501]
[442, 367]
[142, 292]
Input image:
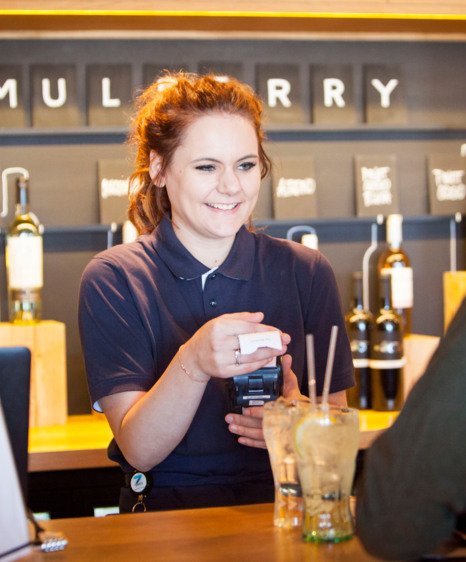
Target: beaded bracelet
[188, 373]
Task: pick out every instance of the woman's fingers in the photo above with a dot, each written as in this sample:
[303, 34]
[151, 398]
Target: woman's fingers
[215, 348]
[238, 323]
[290, 382]
[248, 426]
[253, 361]
[259, 444]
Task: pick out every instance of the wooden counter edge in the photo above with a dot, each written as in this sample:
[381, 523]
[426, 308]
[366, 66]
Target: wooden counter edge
[69, 460]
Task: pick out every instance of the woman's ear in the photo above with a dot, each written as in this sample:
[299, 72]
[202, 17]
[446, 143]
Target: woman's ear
[155, 165]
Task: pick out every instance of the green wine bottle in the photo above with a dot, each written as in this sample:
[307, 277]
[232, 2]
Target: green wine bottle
[24, 260]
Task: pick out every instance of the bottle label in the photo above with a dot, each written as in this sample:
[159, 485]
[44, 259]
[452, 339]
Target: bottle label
[359, 348]
[25, 269]
[387, 363]
[386, 347]
[401, 285]
[360, 363]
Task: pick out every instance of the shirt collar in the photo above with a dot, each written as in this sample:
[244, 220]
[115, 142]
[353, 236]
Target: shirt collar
[238, 264]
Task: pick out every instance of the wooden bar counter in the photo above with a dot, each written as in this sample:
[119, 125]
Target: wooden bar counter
[70, 474]
[82, 442]
[229, 534]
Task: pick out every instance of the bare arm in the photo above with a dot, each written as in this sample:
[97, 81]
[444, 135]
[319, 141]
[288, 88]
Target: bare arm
[148, 425]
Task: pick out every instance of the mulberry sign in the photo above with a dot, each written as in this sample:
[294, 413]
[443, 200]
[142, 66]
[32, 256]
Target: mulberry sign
[64, 95]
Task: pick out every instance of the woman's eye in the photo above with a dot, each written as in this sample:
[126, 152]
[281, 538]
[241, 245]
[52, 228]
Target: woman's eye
[247, 165]
[206, 167]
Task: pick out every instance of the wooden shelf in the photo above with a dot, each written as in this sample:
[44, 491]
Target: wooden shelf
[304, 132]
[337, 19]
[343, 223]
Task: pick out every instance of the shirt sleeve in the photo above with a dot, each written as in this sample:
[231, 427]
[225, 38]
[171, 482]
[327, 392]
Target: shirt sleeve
[117, 352]
[413, 487]
[324, 311]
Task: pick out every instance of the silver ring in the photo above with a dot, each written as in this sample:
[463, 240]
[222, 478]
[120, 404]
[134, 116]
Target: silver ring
[237, 357]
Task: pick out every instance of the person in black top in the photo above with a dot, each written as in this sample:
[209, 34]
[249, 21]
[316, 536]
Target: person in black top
[412, 495]
[160, 317]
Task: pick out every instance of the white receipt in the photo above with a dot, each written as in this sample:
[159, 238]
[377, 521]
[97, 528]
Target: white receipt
[248, 343]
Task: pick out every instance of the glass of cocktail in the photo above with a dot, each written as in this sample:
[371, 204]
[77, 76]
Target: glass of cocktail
[279, 419]
[326, 442]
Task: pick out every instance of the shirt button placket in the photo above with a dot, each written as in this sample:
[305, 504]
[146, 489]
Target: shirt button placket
[210, 299]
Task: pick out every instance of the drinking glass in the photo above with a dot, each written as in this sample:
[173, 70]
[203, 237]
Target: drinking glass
[279, 419]
[326, 442]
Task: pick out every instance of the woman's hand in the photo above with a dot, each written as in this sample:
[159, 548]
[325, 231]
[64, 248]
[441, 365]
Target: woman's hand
[214, 349]
[248, 425]
[290, 382]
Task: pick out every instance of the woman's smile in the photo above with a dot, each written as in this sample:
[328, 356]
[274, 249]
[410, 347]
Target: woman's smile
[223, 206]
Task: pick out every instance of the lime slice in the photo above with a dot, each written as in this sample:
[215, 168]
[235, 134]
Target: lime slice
[315, 424]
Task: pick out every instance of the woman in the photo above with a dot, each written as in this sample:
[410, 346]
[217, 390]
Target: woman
[160, 317]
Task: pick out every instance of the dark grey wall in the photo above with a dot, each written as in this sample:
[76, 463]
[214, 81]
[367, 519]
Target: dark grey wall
[63, 163]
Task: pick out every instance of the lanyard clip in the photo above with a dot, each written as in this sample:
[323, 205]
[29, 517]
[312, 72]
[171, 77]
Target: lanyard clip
[140, 484]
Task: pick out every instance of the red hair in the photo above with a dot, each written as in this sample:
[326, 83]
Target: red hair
[165, 110]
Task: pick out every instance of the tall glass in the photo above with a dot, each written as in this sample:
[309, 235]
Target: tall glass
[326, 443]
[279, 419]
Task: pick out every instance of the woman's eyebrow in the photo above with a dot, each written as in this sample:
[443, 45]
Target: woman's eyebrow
[210, 159]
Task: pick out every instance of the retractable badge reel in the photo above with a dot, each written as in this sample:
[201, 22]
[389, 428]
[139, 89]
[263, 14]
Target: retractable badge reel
[141, 485]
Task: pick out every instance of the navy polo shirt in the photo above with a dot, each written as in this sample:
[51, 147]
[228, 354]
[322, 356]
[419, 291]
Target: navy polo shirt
[140, 302]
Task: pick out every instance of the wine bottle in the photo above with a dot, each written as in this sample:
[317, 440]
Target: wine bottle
[129, 232]
[387, 359]
[395, 262]
[359, 328]
[24, 260]
[310, 240]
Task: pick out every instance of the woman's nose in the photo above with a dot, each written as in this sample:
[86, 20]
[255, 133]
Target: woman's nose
[229, 183]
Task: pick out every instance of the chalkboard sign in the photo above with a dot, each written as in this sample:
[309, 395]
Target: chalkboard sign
[279, 85]
[447, 184]
[221, 68]
[12, 111]
[152, 71]
[376, 185]
[294, 188]
[55, 97]
[333, 95]
[385, 98]
[109, 94]
[264, 206]
[113, 190]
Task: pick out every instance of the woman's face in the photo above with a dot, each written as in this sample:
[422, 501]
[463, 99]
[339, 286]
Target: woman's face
[213, 180]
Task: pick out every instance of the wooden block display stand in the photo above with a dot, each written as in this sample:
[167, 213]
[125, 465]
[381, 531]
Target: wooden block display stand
[46, 340]
[454, 291]
[418, 350]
